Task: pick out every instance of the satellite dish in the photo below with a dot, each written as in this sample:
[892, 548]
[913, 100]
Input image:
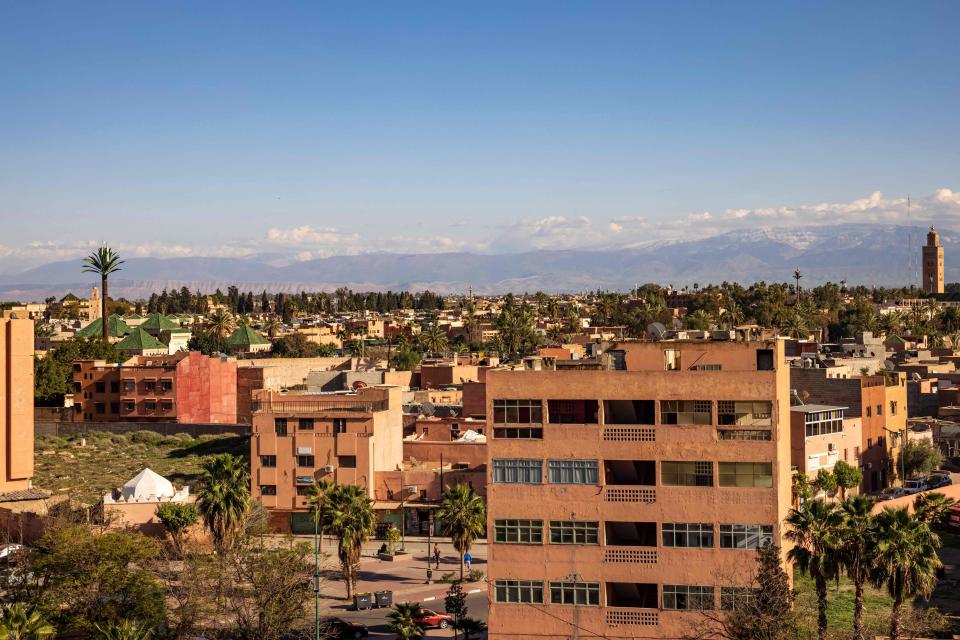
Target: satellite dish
[889, 365]
[359, 384]
[656, 330]
[427, 409]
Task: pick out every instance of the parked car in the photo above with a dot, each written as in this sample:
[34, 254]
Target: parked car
[433, 620]
[938, 480]
[915, 485]
[892, 492]
[340, 628]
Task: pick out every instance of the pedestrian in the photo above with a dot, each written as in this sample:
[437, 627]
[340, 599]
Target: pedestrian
[436, 554]
[467, 558]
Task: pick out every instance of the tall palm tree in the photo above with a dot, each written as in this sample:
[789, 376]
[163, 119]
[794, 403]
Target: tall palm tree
[858, 535]
[317, 497]
[814, 529]
[350, 517]
[796, 276]
[433, 338]
[222, 323]
[905, 560]
[932, 508]
[272, 326]
[103, 262]
[19, 622]
[404, 621]
[464, 517]
[223, 498]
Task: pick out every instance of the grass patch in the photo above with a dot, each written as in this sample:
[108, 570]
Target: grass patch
[876, 604]
[110, 459]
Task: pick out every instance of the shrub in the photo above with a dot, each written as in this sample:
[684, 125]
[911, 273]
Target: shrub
[147, 437]
[475, 575]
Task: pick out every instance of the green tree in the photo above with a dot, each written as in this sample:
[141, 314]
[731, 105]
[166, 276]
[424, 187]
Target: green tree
[125, 630]
[317, 496]
[433, 339]
[103, 262]
[847, 477]
[826, 482]
[919, 458]
[464, 517]
[471, 628]
[223, 498]
[405, 359]
[404, 621]
[20, 622]
[455, 604]
[858, 533]
[801, 487]
[177, 518]
[905, 560]
[91, 578]
[814, 530]
[933, 508]
[295, 345]
[350, 517]
[53, 374]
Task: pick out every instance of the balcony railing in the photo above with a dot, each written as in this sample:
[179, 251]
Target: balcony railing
[318, 406]
[630, 494]
[629, 616]
[629, 434]
[629, 555]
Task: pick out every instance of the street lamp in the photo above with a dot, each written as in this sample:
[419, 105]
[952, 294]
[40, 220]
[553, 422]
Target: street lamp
[429, 539]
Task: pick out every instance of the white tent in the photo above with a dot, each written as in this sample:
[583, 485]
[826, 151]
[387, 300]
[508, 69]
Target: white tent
[148, 486]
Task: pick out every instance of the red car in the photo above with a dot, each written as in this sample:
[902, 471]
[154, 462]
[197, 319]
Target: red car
[433, 620]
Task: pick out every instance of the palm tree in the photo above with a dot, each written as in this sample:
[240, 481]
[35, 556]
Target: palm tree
[103, 261]
[796, 327]
[813, 529]
[350, 517]
[471, 626]
[19, 622]
[464, 517]
[858, 536]
[404, 621]
[125, 630]
[272, 326]
[904, 559]
[932, 508]
[699, 319]
[317, 497]
[556, 335]
[433, 339]
[796, 276]
[222, 323]
[223, 498]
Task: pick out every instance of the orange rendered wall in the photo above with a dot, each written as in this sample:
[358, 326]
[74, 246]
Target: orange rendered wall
[16, 404]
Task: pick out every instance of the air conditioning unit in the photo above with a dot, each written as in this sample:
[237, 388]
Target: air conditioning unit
[413, 489]
[304, 451]
[328, 468]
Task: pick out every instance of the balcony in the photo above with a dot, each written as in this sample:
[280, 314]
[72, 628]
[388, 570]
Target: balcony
[318, 406]
[630, 494]
[629, 555]
[632, 604]
[629, 617]
[629, 434]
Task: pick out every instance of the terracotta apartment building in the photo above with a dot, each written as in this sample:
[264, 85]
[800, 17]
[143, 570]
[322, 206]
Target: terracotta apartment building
[186, 387]
[300, 437]
[623, 500]
[16, 405]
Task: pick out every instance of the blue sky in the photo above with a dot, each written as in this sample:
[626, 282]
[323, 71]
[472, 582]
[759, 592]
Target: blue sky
[315, 129]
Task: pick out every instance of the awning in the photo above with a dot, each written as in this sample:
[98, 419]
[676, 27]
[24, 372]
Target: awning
[390, 505]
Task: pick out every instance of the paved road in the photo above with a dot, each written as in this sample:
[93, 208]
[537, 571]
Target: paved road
[375, 619]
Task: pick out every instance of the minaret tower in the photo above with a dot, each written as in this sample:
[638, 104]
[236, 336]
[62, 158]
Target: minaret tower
[932, 263]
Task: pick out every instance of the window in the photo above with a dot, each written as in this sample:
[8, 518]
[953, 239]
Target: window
[150, 385]
[686, 534]
[305, 424]
[587, 593]
[307, 461]
[745, 536]
[347, 462]
[268, 461]
[869, 442]
[517, 411]
[129, 406]
[570, 532]
[280, 426]
[268, 489]
[685, 412]
[150, 405]
[339, 425]
[869, 411]
[671, 359]
[573, 471]
[115, 387]
[744, 434]
[893, 407]
[526, 591]
[114, 407]
[518, 471]
[733, 598]
[686, 597]
[128, 386]
[98, 407]
[100, 387]
[743, 412]
[820, 423]
[573, 411]
[304, 489]
[879, 409]
[686, 474]
[764, 359]
[166, 405]
[618, 360]
[525, 418]
[518, 531]
[166, 385]
[746, 474]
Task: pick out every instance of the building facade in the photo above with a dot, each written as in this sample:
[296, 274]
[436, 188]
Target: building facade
[186, 387]
[622, 501]
[16, 404]
[933, 263]
[301, 437]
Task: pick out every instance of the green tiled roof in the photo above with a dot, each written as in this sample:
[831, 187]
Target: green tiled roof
[132, 316]
[158, 322]
[246, 336]
[896, 340]
[69, 298]
[139, 340]
[116, 328]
